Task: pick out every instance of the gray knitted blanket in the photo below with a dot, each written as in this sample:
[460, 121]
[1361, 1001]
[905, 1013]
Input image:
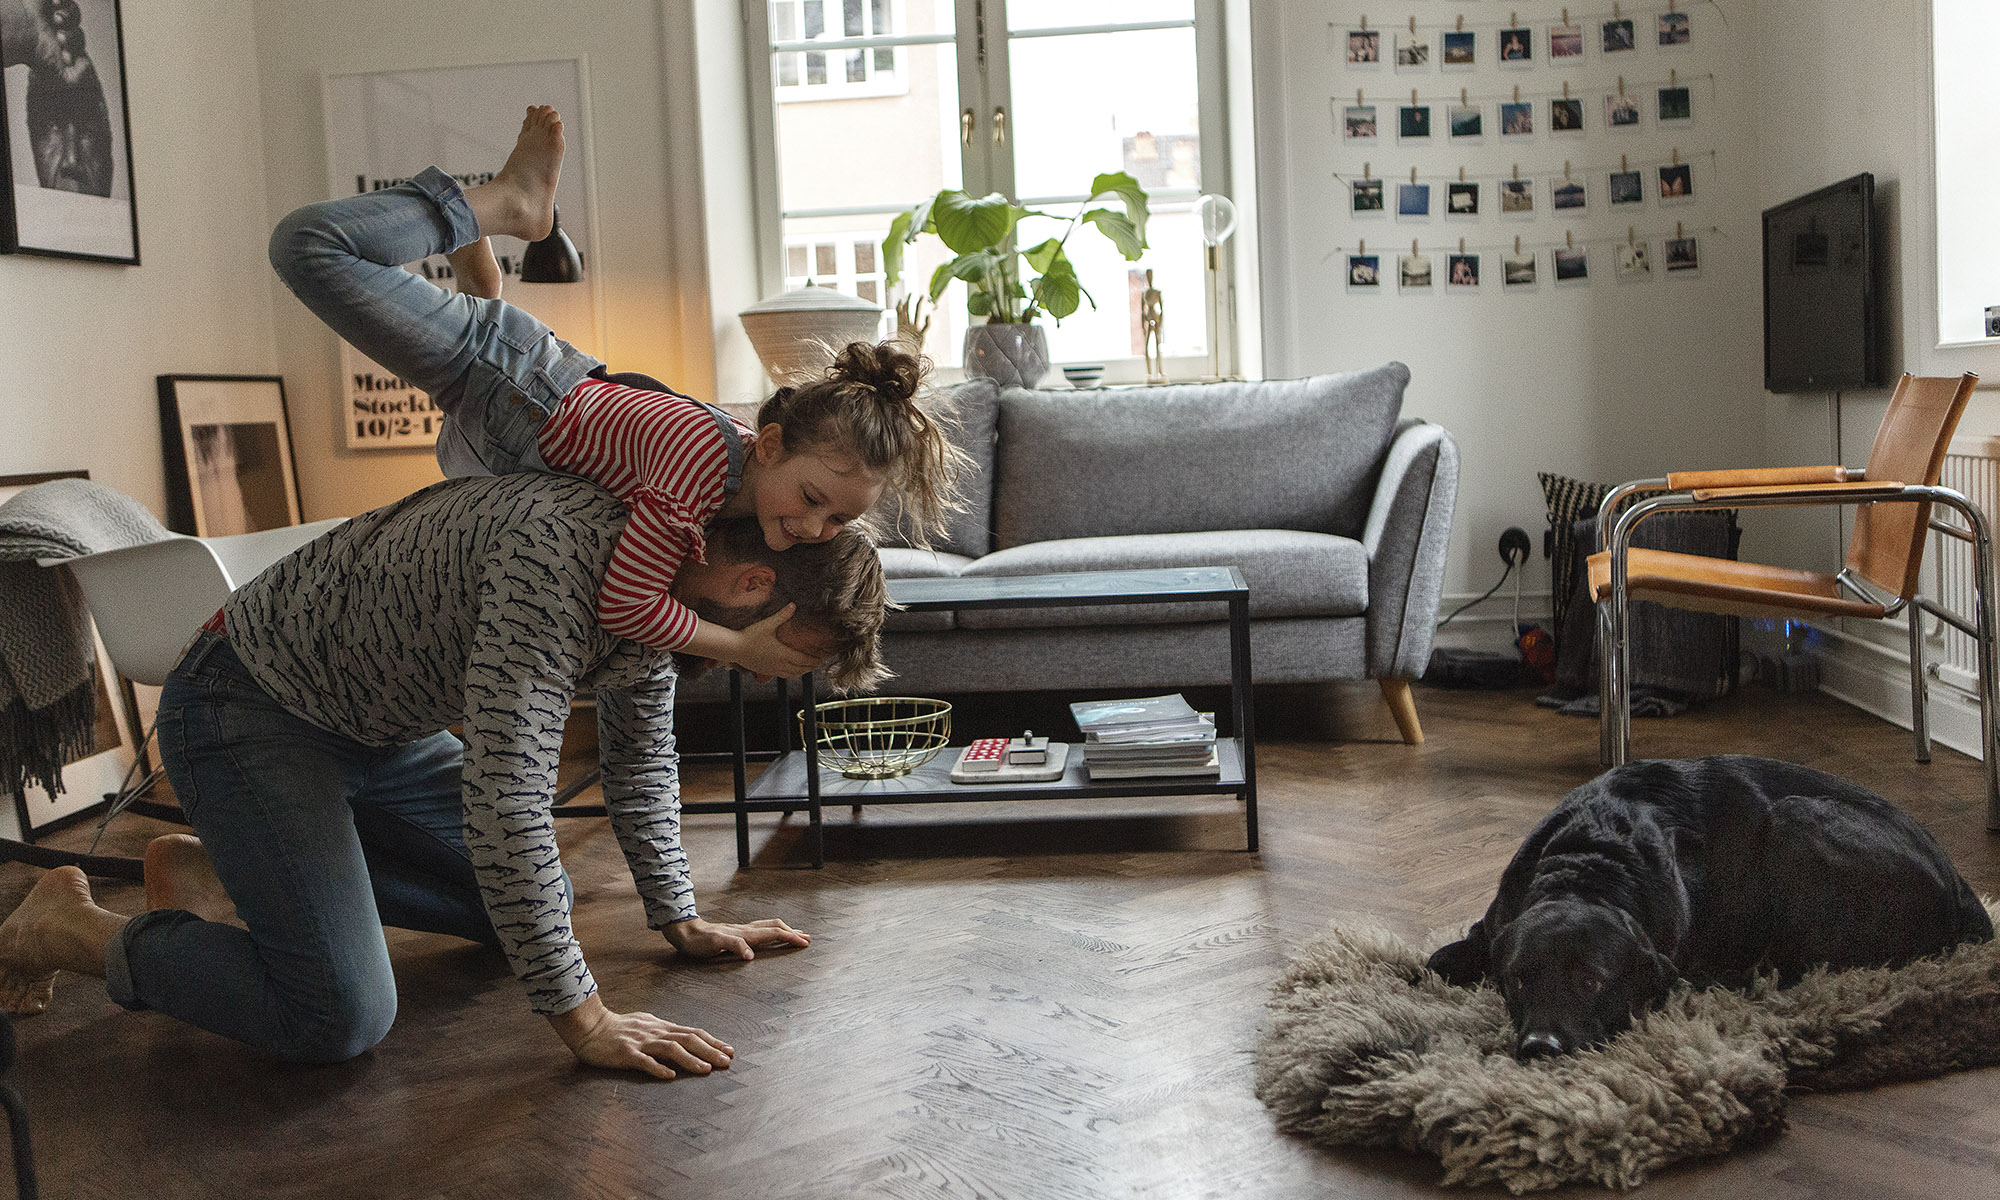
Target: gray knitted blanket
[48, 700]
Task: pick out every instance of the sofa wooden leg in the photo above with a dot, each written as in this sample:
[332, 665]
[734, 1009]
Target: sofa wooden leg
[1396, 694]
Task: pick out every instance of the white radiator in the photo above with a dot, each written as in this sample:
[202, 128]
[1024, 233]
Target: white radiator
[1971, 466]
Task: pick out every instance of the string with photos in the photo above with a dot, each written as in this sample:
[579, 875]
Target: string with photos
[1617, 12]
[1632, 236]
[1568, 169]
[1568, 91]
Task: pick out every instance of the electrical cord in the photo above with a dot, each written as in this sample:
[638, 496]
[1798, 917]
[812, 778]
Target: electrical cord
[1489, 594]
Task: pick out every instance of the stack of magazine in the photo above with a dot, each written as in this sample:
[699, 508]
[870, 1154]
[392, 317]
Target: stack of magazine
[1157, 735]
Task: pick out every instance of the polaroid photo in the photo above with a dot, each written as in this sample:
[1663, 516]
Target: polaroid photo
[1572, 266]
[1517, 198]
[1367, 197]
[1413, 53]
[1628, 189]
[1364, 49]
[1621, 114]
[1461, 50]
[1413, 202]
[1517, 48]
[1683, 258]
[1413, 272]
[1461, 272]
[1568, 198]
[1565, 45]
[1466, 121]
[1364, 272]
[1676, 31]
[1619, 36]
[1677, 184]
[1635, 262]
[1461, 201]
[1413, 123]
[1517, 271]
[1676, 107]
[1358, 122]
[1566, 118]
[1993, 321]
[1517, 120]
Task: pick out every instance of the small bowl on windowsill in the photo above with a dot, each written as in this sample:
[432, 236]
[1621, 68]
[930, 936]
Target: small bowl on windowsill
[1084, 376]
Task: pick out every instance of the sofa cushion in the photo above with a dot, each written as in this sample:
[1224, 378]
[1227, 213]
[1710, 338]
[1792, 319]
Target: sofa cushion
[977, 404]
[1284, 454]
[1291, 574]
[900, 562]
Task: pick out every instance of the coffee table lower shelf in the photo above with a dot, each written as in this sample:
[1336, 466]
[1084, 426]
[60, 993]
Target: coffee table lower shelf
[783, 788]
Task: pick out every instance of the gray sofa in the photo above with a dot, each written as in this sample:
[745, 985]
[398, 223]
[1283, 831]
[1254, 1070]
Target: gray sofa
[1335, 508]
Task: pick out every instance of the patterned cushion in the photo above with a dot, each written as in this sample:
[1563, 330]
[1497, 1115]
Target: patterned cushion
[1569, 501]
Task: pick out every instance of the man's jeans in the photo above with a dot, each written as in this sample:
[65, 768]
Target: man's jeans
[320, 841]
[497, 372]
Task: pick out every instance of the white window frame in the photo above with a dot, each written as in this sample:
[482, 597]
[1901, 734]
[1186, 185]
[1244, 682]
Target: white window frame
[835, 45]
[984, 83]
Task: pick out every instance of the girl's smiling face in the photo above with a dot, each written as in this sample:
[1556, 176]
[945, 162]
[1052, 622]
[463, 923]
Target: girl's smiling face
[809, 495]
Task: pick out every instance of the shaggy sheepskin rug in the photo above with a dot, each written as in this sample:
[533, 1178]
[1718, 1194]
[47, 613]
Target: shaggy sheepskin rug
[1365, 1047]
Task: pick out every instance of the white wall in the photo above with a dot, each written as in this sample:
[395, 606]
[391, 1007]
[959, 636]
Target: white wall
[1608, 382]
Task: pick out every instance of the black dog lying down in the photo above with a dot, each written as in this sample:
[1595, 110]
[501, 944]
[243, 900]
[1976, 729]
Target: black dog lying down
[1710, 870]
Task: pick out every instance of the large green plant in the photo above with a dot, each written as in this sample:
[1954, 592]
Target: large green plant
[983, 232]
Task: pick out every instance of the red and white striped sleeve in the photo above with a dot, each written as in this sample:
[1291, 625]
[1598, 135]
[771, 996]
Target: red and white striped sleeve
[633, 601]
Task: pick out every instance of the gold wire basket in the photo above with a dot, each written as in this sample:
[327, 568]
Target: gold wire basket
[880, 737]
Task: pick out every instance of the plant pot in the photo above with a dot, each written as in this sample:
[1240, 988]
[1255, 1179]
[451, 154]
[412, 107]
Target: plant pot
[1009, 355]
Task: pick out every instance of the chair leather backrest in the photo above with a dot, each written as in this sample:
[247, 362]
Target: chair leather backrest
[1887, 548]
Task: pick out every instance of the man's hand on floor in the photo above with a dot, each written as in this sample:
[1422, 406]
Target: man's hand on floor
[698, 938]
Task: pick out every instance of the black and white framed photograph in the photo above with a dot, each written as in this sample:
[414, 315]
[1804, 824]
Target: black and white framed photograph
[1461, 200]
[1413, 123]
[1676, 106]
[1565, 45]
[1683, 258]
[1364, 272]
[1461, 50]
[1358, 122]
[1572, 266]
[1565, 118]
[66, 134]
[1628, 188]
[1413, 202]
[1413, 272]
[1364, 49]
[1517, 120]
[228, 444]
[1462, 272]
[1367, 197]
[1677, 184]
[1619, 36]
[1467, 122]
[1568, 197]
[1517, 48]
[1413, 53]
[88, 771]
[1676, 30]
[1621, 113]
[1635, 262]
[1517, 198]
[1517, 271]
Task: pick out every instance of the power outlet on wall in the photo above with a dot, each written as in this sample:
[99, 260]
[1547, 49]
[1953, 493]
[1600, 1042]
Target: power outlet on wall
[1514, 546]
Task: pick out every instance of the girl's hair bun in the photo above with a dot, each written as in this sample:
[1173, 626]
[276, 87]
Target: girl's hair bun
[888, 369]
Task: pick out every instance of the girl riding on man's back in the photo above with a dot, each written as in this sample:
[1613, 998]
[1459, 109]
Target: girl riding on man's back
[516, 397]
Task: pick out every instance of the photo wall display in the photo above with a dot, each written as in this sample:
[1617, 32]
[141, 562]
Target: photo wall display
[1565, 41]
[1521, 267]
[1624, 109]
[1621, 189]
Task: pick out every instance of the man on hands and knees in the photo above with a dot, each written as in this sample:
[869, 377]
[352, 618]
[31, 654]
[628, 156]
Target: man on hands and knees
[306, 736]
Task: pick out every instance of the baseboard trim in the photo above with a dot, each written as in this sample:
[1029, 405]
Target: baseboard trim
[1876, 679]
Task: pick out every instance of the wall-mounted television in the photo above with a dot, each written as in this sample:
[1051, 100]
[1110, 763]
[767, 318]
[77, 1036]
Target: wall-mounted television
[1822, 296]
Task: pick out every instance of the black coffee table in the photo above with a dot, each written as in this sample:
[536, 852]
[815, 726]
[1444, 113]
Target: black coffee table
[796, 782]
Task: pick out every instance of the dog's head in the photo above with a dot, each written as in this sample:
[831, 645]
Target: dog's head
[1575, 974]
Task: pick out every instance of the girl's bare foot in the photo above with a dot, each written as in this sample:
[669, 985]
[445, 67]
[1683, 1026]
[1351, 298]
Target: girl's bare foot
[57, 926]
[521, 200]
[475, 268]
[179, 875]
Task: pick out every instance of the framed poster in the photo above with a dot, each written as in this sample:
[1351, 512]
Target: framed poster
[86, 777]
[228, 444]
[66, 136]
[382, 127]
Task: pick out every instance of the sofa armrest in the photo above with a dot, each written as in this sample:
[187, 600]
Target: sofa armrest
[1409, 527]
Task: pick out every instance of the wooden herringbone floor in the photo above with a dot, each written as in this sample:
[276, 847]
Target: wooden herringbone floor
[1000, 1001]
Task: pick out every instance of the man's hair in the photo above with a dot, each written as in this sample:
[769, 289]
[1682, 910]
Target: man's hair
[837, 584]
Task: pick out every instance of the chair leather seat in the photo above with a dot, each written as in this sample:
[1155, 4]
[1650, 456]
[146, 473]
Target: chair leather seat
[1726, 586]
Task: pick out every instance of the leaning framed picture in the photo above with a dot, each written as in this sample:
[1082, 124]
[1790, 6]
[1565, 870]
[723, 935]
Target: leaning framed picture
[228, 445]
[66, 135]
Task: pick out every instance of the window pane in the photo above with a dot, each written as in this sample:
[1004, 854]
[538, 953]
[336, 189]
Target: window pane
[815, 18]
[885, 59]
[879, 14]
[857, 66]
[850, 18]
[795, 261]
[869, 290]
[1130, 103]
[864, 258]
[815, 68]
[1060, 14]
[788, 70]
[823, 260]
[784, 20]
[1111, 330]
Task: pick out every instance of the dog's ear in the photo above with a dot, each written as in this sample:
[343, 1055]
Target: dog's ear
[1466, 962]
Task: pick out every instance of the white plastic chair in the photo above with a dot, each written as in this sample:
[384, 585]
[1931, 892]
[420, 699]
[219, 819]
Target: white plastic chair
[148, 602]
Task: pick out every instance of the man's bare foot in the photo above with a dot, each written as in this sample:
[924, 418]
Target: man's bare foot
[179, 875]
[477, 271]
[57, 926]
[521, 200]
